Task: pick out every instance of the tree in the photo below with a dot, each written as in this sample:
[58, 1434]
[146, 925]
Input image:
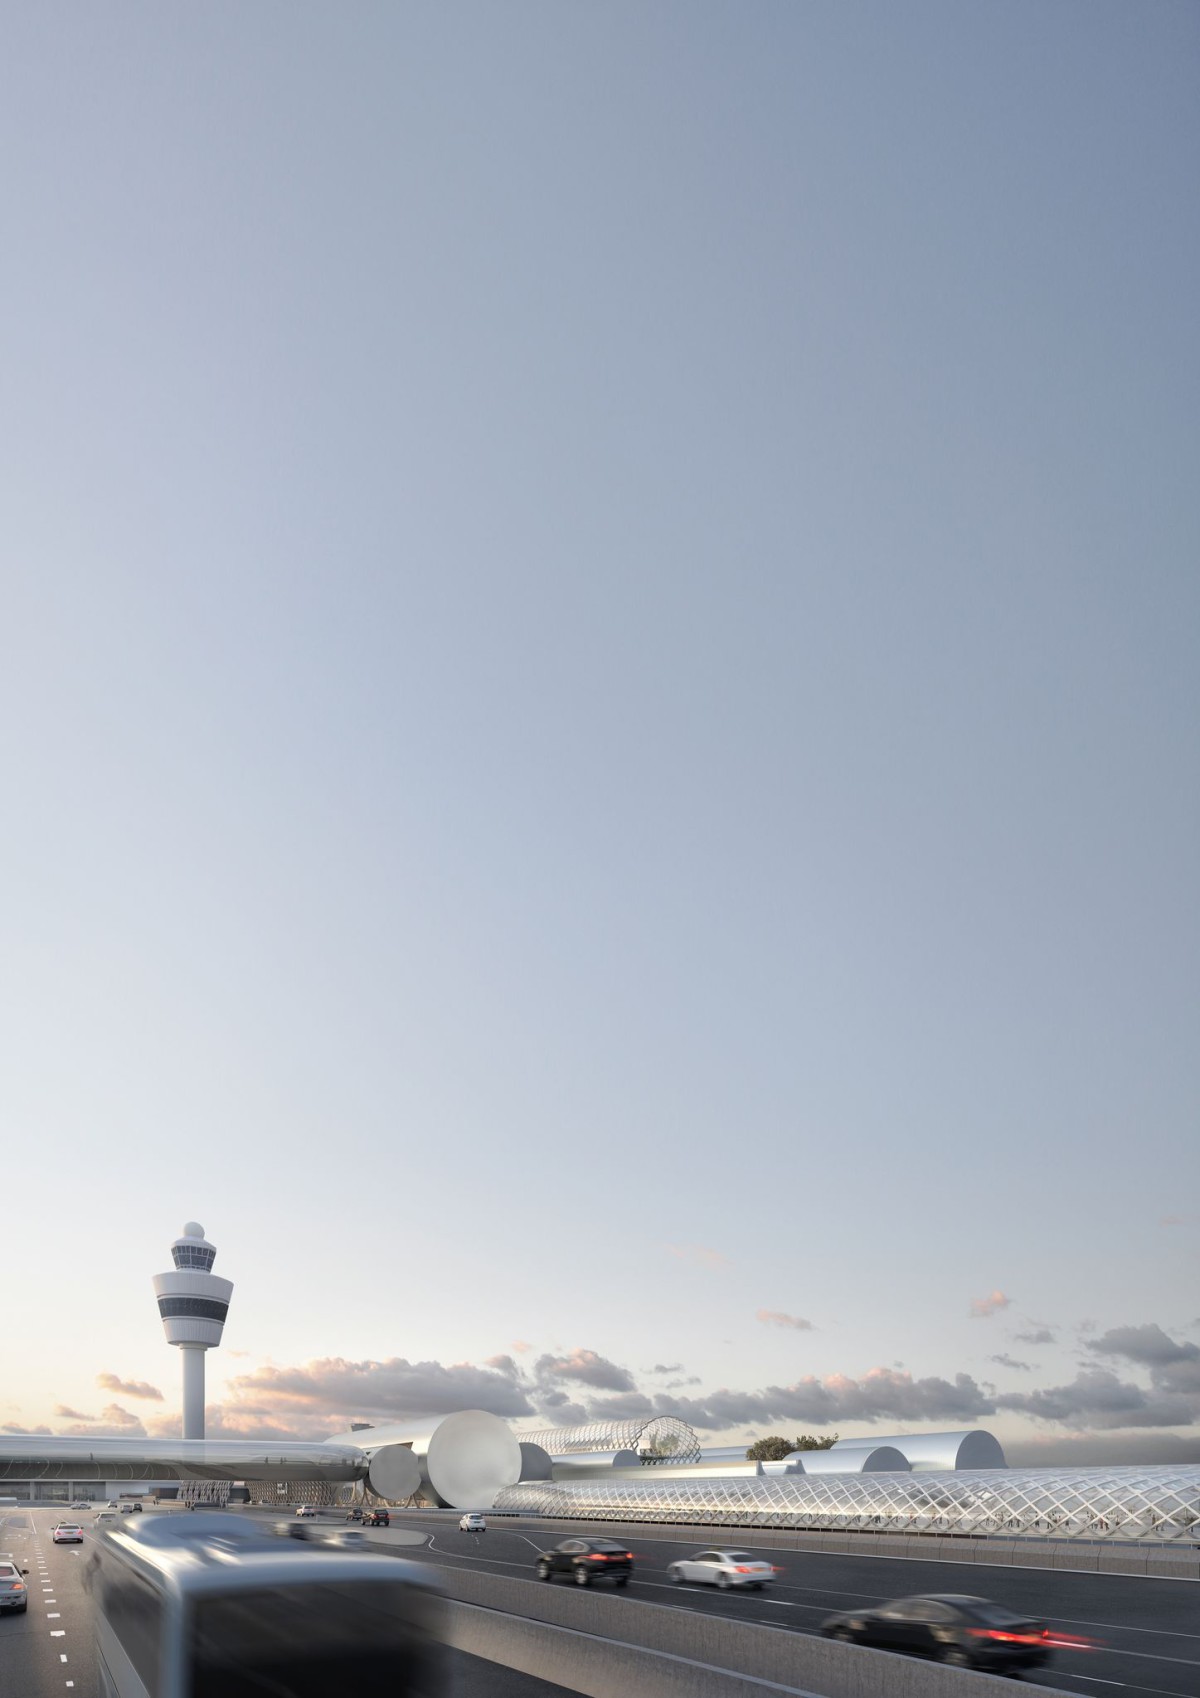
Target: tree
[775, 1447]
[771, 1449]
[809, 1441]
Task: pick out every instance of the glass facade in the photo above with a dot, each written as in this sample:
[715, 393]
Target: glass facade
[202, 1308]
[670, 1439]
[1151, 1504]
[198, 1256]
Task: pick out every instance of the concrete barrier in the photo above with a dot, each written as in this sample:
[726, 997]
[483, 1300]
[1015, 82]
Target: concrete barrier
[597, 1668]
[712, 1647]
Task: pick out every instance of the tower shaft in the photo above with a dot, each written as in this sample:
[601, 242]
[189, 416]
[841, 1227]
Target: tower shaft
[193, 1390]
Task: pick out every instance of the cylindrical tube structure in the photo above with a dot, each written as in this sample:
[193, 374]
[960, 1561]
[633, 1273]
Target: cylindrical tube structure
[193, 1390]
[935, 1452]
[876, 1459]
[535, 1464]
[464, 1459]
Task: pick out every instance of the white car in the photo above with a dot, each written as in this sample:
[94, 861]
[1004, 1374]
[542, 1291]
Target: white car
[306, 1512]
[472, 1523]
[67, 1533]
[723, 1569]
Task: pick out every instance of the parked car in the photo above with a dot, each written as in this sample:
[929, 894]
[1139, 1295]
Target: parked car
[722, 1568]
[585, 1560]
[306, 1512]
[952, 1627]
[472, 1522]
[14, 1594]
[67, 1533]
[376, 1518]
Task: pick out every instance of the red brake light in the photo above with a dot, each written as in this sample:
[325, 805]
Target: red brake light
[743, 1569]
[597, 1556]
[1007, 1638]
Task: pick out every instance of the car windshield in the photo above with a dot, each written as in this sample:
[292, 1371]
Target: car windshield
[605, 1545]
[738, 1556]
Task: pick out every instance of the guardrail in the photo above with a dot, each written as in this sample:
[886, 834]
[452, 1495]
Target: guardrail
[608, 1647]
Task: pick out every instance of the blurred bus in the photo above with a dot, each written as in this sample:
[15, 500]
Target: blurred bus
[207, 1606]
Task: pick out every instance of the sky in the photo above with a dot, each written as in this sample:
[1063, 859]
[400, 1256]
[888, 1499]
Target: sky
[599, 714]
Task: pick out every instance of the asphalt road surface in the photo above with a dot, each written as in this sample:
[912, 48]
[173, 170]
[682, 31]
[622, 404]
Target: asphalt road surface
[1144, 1634]
[49, 1651]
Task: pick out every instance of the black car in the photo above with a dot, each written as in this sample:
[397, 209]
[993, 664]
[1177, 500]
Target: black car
[585, 1560]
[376, 1518]
[966, 1632]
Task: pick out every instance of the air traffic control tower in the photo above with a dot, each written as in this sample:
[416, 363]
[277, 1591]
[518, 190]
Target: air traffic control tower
[193, 1303]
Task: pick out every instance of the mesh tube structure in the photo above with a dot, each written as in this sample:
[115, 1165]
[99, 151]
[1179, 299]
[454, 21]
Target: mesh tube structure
[670, 1439]
[1149, 1504]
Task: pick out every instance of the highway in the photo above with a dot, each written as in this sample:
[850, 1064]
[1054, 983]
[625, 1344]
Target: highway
[49, 1651]
[1146, 1633]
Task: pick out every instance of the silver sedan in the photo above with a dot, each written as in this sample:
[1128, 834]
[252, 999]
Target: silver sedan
[723, 1569]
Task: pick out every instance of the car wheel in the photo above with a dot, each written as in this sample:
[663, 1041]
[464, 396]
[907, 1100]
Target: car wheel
[543, 1571]
[675, 1574]
[955, 1657]
[723, 1583]
[582, 1577]
[844, 1634]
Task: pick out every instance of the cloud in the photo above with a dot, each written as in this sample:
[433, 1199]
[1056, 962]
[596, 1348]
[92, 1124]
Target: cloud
[1038, 1335]
[881, 1394]
[384, 1390]
[63, 1413]
[666, 1368]
[1097, 1398]
[700, 1254]
[1172, 1220]
[1006, 1361]
[586, 1368]
[521, 1345]
[130, 1388]
[777, 1318]
[113, 1422]
[983, 1308]
[25, 1432]
[1147, 1345]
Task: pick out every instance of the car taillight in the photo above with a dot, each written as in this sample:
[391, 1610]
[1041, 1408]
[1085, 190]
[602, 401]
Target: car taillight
[1007, 1638]
[597, 1556]
[17, 1586]
[743, 1568]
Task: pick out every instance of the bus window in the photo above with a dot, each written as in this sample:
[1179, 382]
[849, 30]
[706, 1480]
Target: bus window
[134, 1613]
[313, 1641]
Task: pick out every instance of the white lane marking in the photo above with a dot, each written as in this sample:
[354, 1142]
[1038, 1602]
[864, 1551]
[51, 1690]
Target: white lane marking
[53, 1615]
[62, 1656]
[1122, 1627]
[58, 1633]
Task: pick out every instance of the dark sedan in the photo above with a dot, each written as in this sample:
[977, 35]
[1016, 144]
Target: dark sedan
[585, 1560]
[376, 1518]
[965, 1632]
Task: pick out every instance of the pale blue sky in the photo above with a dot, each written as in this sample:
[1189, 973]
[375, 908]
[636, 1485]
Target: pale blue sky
[600, 653]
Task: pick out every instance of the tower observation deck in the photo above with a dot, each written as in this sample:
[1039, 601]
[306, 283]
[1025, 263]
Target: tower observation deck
[193, 1303]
